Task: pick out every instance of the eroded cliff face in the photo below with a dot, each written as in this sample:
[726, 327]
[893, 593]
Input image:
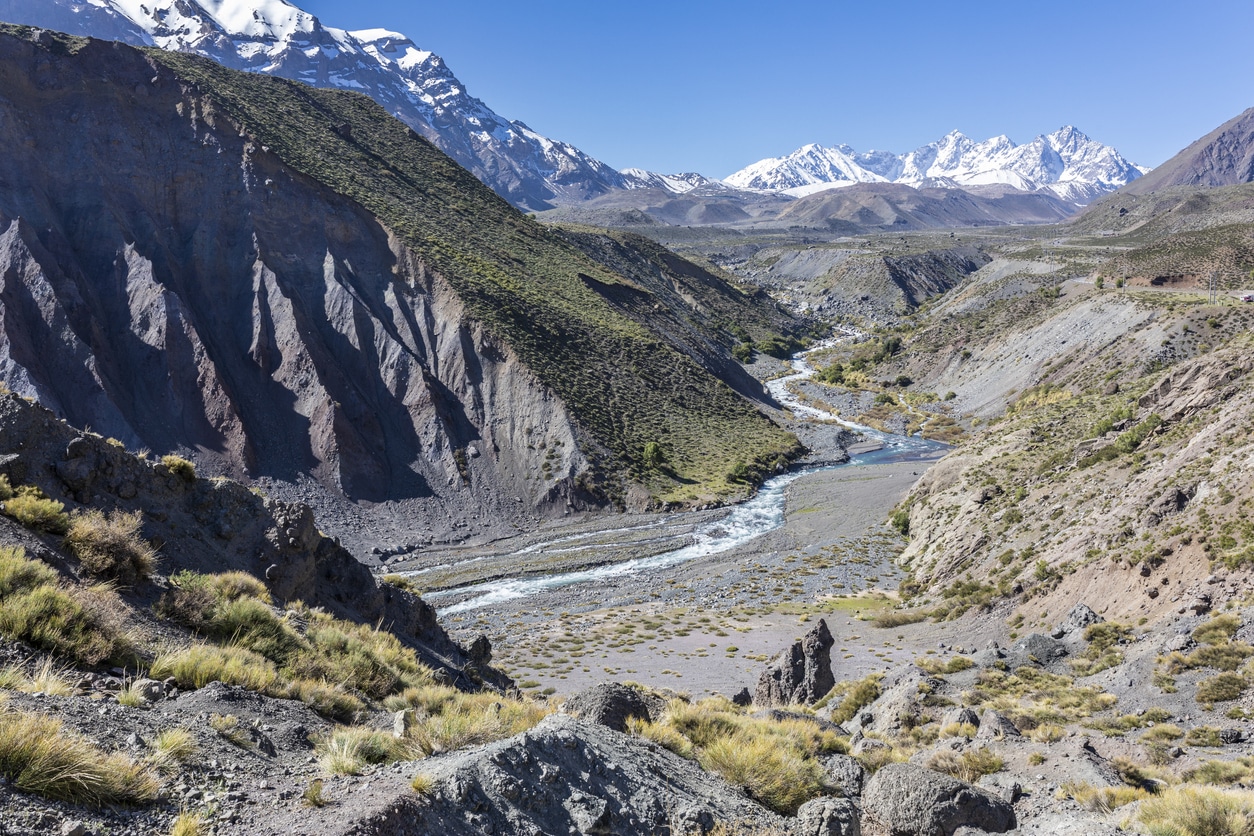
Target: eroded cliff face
[166, 281]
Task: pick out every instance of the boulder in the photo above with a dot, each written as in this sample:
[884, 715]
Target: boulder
[149, 690]
[1080, 617]
[961, 715]
[994, 726]
[827, 817]
[845, 773]
[800, 674]
[1036, 649]
[610, 704]
[903, 799]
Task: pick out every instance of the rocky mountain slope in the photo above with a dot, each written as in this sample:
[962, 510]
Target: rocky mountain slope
[285, 280]
[1065, 163]
[1224, 157]
[415, 85]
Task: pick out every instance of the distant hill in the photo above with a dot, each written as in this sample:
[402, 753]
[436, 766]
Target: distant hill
[1224, 157]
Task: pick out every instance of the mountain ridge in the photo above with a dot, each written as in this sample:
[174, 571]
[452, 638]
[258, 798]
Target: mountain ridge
[376, 317]
[415, 85]
[1223, 157]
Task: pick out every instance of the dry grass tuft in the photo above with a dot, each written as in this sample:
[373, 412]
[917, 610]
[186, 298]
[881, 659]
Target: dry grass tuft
[188, 824]
[1197, 811]
[969, 766]
[171, 748]
[37, 756]
[348, 750]
[180, 467]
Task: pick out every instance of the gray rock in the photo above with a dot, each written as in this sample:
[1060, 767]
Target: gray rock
[961, 715]
[827, 817]
[994, 726]
[597, 781]
[1080, 617]
[903, 799]
[1036, 649]
[845, 774]
[742, 698]
[800, 674]
[1003, 786]
[1178, 643]
[150, 690]
[611, 704]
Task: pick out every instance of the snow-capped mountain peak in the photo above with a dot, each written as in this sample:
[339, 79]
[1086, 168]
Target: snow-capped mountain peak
[277, 37]
[1066, 162]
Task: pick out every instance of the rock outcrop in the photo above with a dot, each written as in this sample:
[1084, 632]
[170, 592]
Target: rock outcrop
[800, 674]
[563, 776]
[612, 704]
[902, 799]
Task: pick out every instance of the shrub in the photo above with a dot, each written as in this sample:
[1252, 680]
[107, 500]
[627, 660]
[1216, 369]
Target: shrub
[663, 735]
[457, 719]
[1163, 733]
[1102, 799]
[898, 618]
[1219, 630]
[18, 574]
[37, 756]
[778, 778]
[955, 664]
[1203, 736]
[111, 546]
[1221, 688]
[77, 624]
[1047, 733]
[1217, 772]
[314, 796]
[180, 467]
[1193, 811]
[966, 730]
[34, 510]
[900, 520]
[422, 783]
[249, 623]
[45, 679]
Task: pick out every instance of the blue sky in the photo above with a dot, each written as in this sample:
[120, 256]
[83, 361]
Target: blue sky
[691, 85]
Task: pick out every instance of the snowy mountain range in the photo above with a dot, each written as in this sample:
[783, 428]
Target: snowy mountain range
[275, 37]
[1066, 163]
[528, 169]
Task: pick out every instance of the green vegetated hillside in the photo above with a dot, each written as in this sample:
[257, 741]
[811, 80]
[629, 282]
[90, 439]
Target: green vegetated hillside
[628, 383]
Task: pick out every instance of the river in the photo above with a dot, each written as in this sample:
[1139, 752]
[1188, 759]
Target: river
[763, 513]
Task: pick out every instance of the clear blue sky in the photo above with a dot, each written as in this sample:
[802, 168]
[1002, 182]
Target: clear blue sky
[692, 85]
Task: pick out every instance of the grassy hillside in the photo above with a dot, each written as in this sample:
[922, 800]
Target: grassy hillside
[626, 382]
